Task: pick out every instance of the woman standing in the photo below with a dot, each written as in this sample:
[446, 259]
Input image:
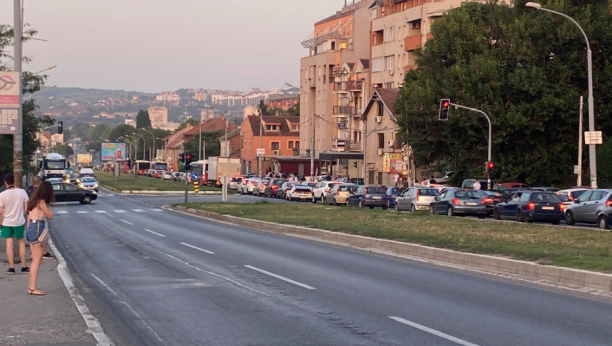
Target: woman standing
[38, 209]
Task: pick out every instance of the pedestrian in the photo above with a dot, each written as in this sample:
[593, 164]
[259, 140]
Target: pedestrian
[396, 179]
[432, 180]
[38, 213]
[35, 184]
[13, 205]
[477, 185]
[425, 182]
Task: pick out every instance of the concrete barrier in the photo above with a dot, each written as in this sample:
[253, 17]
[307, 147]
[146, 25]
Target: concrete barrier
[555, 275]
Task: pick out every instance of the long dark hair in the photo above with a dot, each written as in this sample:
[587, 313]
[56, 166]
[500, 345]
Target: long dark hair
[42, 193]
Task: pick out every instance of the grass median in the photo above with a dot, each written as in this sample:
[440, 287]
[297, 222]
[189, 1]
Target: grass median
[560, 246]
[142, 183]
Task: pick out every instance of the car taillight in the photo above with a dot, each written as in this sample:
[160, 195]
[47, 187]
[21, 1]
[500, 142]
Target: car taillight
[327, 189]
[455, 201]
[608, 203]
[262, 187]
[531, 206]
[486, 200]
[419, 198]
[274, 187]
[562, 206]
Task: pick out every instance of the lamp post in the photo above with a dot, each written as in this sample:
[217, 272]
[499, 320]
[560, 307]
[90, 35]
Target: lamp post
[45, 70]
[144, 144]
[151, 157]
[592, 151]
[40, 91]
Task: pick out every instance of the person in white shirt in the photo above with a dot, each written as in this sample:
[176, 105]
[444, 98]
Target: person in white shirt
[477, 185]
[13, 206]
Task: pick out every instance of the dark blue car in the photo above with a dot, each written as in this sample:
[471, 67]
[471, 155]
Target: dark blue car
[531, 206]
[392, 193]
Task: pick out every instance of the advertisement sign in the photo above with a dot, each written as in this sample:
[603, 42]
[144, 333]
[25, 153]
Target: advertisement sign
[83, 158]
[10, 89]
[113, 150]
[392, 163]
[261, 151]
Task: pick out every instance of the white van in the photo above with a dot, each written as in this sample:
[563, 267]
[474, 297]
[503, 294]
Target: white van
[86, 172]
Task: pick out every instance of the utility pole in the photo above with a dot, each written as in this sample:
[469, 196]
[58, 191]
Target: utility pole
[227, 153]
[580, 144]
[18, 136]
[312, 148]
[364, 139]
[260, 157]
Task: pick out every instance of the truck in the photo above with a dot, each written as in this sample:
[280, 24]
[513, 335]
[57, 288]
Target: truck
[53, 166]
[221, 166]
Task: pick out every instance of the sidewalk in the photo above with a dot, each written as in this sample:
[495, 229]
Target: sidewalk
[30, 320]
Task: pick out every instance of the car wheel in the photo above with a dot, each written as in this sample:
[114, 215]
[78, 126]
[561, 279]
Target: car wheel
[519, 216]
[86, 200]
[569, 218]
[450, 211]
[385, 207]
[496, 215]
[432, 210]
[603, 222]
[323, 201]
[396, 207]
[413, 208]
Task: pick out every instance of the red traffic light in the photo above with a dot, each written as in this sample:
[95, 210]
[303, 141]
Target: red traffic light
[491, 165]
[444, 104]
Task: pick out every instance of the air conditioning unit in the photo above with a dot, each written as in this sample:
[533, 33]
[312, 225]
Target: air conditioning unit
[415, 25]
[379, 120]
[391, 143]
[391, 72]
[380, 152]
[276, 152]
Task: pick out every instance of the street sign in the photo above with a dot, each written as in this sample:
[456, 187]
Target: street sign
[261, 151]
[10, 92]
[593, 137]
[195, 176]
[577, 169]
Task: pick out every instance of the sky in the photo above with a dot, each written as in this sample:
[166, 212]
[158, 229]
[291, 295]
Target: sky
[164, 45]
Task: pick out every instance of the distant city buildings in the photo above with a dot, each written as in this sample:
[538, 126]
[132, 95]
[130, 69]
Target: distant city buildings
[207, 113]
[158, 115]
[169, 97]
[282, 101]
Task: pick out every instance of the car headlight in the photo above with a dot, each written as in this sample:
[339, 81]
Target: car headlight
[81, 186]
[96, 185]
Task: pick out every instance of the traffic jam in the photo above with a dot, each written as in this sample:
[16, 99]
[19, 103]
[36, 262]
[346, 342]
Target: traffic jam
[505, 201]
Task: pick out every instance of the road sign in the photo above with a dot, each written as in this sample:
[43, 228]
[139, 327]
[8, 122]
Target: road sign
[593, 137]
[10, 92]
[195, 176]
[261, 151]
[577, 169]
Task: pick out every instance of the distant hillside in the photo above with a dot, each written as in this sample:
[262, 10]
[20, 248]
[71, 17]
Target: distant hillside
[80, 94]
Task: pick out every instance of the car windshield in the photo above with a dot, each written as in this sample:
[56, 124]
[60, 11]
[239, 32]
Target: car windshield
[577, 194]
[468, 194]
[428, 192]
[375, 189]
[395, 191]
[301, 189]
[545, 197]
[89, 180]
[345, 188]
[236, 180]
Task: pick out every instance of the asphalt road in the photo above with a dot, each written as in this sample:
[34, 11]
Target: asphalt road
[156, 277]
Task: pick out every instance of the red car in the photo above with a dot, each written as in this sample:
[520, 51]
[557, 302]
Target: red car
[273, 186]
[158, 174]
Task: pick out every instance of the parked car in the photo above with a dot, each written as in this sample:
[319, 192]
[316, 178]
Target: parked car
[167, 175]
[282, 191]
[469, 184]
[506, 186]
[415, 198]
[604, 218]
[455, 201]
[176, 176]
[588, 206]
[545, 189]
[369, 196]
[89, 183]
[571, 194]
[299, 193]
[273, 186]
[151, 173]
[159, 174]
[392, 194]
[339, 194]
[251, 185]
[321, 188]
[260, 189]
[448, 175]
[183, 177]
[492, 198]
[234, 183]
[356, 181]
[71, 193]
[531, 206]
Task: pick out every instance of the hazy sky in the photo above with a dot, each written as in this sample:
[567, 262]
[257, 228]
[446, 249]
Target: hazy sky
[158, 45]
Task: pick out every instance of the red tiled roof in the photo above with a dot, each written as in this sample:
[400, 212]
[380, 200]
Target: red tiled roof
[284, 121]
[211, 125]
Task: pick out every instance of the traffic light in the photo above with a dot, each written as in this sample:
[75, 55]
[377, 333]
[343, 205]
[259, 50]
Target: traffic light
[60, 127]
[182, 157]
[188, 160]
[444, 108]
[489, 166]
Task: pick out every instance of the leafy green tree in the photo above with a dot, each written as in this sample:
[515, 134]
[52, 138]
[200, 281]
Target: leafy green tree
[120, 131]
[526, 69]
[95, 136]
[295, 110]
[192, 122]
[213, 146]
[142, 119]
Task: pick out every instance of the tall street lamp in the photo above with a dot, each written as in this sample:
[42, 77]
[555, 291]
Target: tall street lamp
[40, 91]
[144, 145]
[592, 151]
[154, 154]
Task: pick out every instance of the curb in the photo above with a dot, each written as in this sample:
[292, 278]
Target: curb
[149, 192]
[593, 283]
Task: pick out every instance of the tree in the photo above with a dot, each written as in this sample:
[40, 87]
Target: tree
[295, 110]
[265, 110]
[192, 122]
[95, 136]
[142, 119]
[121, 131]
[524, 68]
[213, 146]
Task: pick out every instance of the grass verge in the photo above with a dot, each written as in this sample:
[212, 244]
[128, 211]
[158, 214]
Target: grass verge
[141, 183]
[560, 246]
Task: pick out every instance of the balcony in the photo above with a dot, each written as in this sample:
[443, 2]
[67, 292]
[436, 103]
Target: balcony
[408, 68]
[343, 110]
[354, 147]
[412, 42]
[312, 82]
[348, 86]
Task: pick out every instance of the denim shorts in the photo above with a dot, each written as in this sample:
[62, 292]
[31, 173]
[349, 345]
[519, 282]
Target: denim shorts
[34, 230]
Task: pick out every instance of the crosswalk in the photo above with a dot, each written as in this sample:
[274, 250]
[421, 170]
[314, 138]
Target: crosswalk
[109, 212]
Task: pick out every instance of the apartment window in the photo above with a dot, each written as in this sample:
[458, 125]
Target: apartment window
[297, 144]
[378, 38]
[389, 62]
[381, 108]
[275, 146]
[389, 85]
[295, 127]
[389, 34]
[333, 46]
[271, 127]
[343, 46]
[377, 64]
[373, 12]
[381, 141]
[290, 145]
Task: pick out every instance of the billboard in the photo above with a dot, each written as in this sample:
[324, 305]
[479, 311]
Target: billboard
[10, 91]
[83, 158]
[113, 150]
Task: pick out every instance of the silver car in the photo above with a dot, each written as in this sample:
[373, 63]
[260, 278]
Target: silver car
[588, 206]
[415, 198]
[89, 183]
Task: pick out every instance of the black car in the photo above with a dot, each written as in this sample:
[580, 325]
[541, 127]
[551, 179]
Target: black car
[274, 186]
[493, 198]
[280, 193]
[369, 196]
[604, 219]
[71, 193]
[72, 178]
[531, 206]
[453, 202]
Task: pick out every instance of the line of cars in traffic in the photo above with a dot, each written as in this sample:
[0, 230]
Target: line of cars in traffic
[79, 187]
[166, 175]
[507, 201]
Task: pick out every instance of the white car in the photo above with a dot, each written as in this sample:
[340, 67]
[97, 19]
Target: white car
[322, 187]
[167, 175]
[299, 193]
[571, 194]
[248, 185]
[235, 183]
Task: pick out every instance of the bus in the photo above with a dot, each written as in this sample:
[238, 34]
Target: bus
[142, 167]
[159, 166]
[200, 167]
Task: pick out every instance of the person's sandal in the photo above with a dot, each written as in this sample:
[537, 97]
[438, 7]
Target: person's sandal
[35, 292]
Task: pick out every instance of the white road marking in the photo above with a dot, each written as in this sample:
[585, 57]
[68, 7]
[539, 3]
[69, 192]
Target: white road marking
[101, 212]
[62, 212]
[129, 223]
[218, 276]
[103, 284]
[197, 248]
[138, 210]
[155, 209]
[90, 320]
[281, 278]
[432, 331]
[143, 322]
[161, 235]
[119, 211]
[81, 212]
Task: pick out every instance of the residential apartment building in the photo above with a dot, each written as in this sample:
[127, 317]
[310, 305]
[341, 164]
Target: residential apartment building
[280, 137]
[282, 101]
[339, 39]
[231, 144]
[158, 115]
[207, 113]
[399, 28]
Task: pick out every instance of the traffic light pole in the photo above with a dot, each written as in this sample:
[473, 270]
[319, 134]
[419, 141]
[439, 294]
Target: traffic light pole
[490, 134]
